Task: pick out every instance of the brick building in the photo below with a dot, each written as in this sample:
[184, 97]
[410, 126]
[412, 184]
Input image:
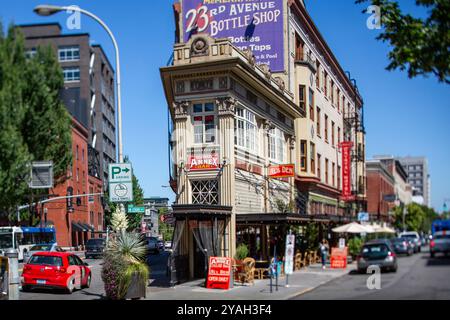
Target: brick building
[380, 184]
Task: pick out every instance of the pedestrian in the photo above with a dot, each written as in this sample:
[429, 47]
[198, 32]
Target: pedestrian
[324, 252]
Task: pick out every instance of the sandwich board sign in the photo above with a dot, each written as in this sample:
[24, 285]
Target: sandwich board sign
[120, 182]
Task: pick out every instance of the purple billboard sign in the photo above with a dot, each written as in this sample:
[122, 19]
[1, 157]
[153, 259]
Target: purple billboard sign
[253, 24]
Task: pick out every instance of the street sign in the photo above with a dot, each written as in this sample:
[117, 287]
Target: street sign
[289, 256]
[390, 197]
[120, 182]
[363, 216]
[133, 209]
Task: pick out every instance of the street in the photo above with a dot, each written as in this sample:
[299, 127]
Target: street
[96, 291]
[418, 277]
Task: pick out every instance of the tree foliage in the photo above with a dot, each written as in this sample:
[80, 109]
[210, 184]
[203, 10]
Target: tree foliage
[417, 218]
[420, 46]
[34, 124]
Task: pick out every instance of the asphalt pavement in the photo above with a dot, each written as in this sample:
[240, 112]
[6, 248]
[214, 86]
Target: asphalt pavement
[418, 277]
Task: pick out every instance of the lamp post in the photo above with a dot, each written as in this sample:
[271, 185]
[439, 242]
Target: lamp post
[48, 10]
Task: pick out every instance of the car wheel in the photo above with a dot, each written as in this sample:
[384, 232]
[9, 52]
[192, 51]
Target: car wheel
[88, 282]
[71, 286]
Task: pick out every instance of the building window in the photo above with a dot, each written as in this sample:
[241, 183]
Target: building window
[302, 97]
[319, 167]
[78, 174]
[318, 122]
[71, 53]
[318, 75]
[91, 214]
[312, 152]
[332, 93]
[303, 156]
[332, 134]
[245, 129]
[326, 128]
[71, 74]
[277, 145]
[204, 123]
[343, 102]
[325, 85]
[333, 174]
[205, 192]
[338, 99]
[252, 97]
[99, 221]
[299, 48]
[311, 104]
[339, 136]
[339, 177]
[327, 181]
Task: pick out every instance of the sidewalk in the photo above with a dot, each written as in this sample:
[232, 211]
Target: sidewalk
[300, 282]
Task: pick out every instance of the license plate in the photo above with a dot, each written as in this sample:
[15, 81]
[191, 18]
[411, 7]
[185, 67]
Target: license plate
[41, 281]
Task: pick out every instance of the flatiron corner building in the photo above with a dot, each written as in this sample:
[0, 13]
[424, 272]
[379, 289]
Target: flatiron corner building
[261, 114]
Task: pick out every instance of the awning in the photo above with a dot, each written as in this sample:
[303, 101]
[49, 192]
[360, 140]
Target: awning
[77, 227]
[200, 211]
[86, 226]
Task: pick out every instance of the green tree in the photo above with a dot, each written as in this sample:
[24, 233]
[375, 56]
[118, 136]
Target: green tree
[34, 124]
[165, 229]
[419, 45]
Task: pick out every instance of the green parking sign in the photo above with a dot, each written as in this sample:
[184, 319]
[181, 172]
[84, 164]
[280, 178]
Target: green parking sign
[120, 182]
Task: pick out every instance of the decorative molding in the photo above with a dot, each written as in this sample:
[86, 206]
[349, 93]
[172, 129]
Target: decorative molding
[292, 140]
[280, 83]
[200, 47]
[181, 109]
[268, 125]
[226, 106]
[250, 56]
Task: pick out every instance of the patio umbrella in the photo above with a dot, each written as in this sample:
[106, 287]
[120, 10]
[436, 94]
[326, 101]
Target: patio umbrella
[384, 229]
[352, 228]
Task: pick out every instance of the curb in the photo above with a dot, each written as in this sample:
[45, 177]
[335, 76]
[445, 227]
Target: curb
[313, 288]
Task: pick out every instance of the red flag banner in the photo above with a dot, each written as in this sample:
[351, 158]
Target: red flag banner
[346, 147]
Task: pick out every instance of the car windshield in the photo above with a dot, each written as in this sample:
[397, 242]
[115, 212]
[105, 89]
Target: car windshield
[46, 260]
[398, 240]
[6, 241]
[375, 249]
[409, 236]
[442, 236]
[41, 247]
[95, 242]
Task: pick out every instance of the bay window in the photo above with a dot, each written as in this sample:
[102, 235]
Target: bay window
[277, 145]
[245, 129]
[204, 123]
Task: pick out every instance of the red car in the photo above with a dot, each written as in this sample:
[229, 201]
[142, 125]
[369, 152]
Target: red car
[56, 270]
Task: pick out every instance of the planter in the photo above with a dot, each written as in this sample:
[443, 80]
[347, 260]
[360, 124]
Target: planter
[137, 288]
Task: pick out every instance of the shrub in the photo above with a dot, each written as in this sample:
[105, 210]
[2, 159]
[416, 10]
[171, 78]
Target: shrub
[241, 252]
[354, 246]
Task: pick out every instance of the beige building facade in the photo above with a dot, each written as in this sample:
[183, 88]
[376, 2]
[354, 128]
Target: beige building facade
[233, 120]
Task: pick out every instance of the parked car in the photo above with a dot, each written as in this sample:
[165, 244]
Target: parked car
[402, 246]
[415, 237]
[56, 270]
[152, 245]
[95, 248]
[49, 247]
[377, 252]
[168, 245]
[440, 243]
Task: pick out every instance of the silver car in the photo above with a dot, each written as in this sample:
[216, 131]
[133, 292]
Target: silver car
[50, 247]
[440, 243]
[379, 253]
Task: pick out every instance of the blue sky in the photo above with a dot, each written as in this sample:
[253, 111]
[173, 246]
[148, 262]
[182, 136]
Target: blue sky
[403, 116]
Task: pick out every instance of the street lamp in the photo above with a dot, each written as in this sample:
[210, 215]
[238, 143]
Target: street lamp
[48, 10]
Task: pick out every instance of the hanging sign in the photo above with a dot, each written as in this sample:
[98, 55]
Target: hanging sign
[219, 273]
[282, 171]
[346, 147]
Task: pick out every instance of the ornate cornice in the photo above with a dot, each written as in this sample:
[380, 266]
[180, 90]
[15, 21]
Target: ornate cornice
[226, 106]
[181, 109]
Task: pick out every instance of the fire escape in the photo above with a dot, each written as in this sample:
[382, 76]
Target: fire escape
[354, 131]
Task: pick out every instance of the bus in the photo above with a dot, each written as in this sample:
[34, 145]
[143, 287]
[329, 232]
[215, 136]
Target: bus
[23, 238]
[440, 225]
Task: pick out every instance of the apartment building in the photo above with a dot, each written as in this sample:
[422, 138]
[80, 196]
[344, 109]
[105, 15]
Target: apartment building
[418, 177]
